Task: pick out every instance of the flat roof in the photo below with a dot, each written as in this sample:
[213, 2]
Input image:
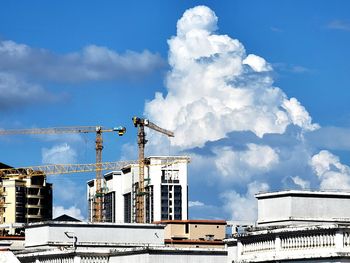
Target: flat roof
[92, 225]
[194, 241]
[303, 193]
[194, 221]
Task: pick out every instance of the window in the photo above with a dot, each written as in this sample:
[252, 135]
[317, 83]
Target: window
[127, 208]
[109, 205]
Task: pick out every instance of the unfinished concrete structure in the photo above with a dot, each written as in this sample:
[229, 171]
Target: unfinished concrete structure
[24, 198]
[165, 195]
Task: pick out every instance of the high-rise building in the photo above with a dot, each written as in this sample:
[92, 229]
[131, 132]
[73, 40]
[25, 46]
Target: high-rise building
[165, 185]
[25, 199]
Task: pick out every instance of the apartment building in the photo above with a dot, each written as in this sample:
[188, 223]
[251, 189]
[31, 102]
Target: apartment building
[25, 199]
[165, 185]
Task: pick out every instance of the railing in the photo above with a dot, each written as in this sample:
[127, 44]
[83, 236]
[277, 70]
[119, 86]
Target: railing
[258, 245]
[311, 241]
[70, 259]
[295, 244]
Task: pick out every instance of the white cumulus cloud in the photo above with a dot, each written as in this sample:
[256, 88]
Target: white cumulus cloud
[244, 206]
[304, 184]
[243, 133]
[257, 63]
[242, 165]
[214, 88]
[333, 175]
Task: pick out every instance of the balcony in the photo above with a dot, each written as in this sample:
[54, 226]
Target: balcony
[294, 243]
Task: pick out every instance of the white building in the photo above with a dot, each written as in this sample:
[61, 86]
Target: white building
[165, 185]
[77, 242]
[296, 226]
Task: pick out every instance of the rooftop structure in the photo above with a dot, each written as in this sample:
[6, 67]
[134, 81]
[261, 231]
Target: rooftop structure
[296, 226]
[303, 207]
[194, 233]
[52, 242]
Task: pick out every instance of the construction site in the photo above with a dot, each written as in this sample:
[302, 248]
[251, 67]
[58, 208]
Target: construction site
[131, 204]
[26, 196]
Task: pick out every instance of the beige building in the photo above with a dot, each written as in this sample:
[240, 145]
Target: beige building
[194, 233]
[25, 199]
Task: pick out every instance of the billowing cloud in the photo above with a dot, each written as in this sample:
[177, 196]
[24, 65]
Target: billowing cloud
[91, 63]
[243, 206]
[303, 184]
[59, 154]
[241, 165]
[333, 175]
[215, 88]
[71, 211]
[243, 133]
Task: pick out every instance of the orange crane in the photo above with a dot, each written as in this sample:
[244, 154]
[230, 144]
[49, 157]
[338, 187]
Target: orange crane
[98, 204]
[141, 141]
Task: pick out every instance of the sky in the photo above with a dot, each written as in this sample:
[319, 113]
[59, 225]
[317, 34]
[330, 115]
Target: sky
[256, 92]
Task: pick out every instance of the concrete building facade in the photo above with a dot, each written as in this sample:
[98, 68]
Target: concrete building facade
[25, 199]
[165, 184]
[194, 233]
[296, 226]
[77, 242]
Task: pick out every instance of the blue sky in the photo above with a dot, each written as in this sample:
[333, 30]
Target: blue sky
[91, 63]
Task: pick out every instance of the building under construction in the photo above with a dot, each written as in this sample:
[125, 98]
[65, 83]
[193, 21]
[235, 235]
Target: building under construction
[165, 191]
[24, 198]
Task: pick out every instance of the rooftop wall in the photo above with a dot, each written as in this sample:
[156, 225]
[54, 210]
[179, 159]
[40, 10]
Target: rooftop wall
[93, 234]
[288, 207]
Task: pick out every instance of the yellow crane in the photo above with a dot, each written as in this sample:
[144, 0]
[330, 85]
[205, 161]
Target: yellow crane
[52, 169]
[141, 141]
[98, 205]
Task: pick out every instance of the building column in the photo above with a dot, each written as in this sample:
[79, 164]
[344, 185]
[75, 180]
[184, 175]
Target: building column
[76, 259]
[239, 248]
[277, 243]
[338, 240]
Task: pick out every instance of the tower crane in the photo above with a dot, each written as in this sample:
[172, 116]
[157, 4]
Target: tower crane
[98, 205]
[32, 171]
[141, 141]
[52, 169]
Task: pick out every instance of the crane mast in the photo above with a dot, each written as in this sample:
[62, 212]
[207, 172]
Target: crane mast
[141, 141]
[98, 204]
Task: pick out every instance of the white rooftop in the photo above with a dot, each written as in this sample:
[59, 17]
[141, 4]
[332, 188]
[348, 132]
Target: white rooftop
[303, 207]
